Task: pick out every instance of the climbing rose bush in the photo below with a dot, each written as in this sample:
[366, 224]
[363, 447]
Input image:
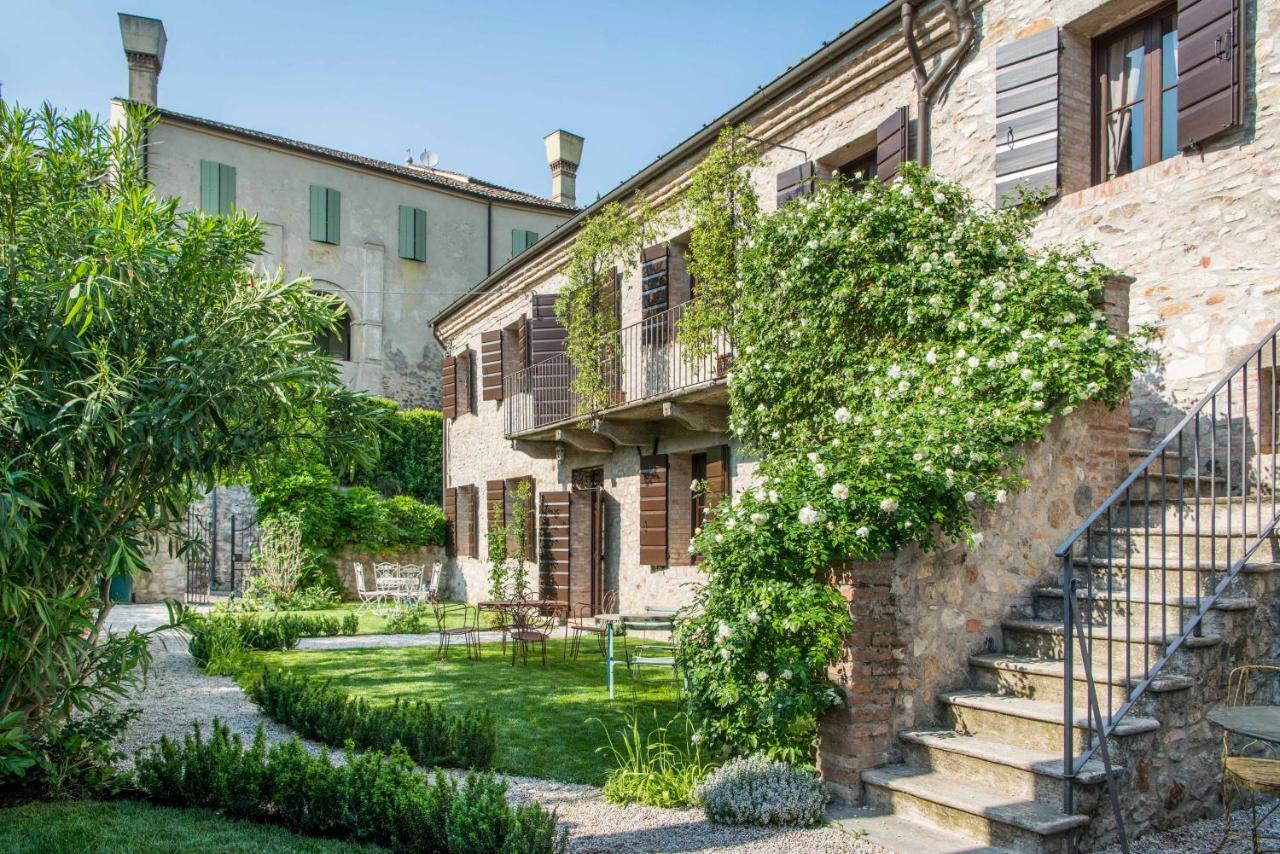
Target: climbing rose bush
[894, 344]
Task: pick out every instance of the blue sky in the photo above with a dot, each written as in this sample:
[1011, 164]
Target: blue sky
[479, 83]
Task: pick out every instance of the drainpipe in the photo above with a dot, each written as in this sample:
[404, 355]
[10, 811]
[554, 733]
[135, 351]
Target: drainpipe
[927, 85]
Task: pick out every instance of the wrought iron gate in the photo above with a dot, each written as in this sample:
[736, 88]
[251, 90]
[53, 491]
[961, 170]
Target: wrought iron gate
[198, 559]
[244, 541]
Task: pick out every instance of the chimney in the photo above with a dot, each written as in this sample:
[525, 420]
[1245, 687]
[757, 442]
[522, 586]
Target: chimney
[144, 42]
[564, 153]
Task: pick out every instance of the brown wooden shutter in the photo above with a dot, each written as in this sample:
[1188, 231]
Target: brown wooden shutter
[465, 370]
[449, 387]
[468, 524]
[718, 484]
[655, 292]
[530, 520]
[553, 536]
[653, 510]
[796, 182]
[496, 503]
[1026, 115]
[893, 144]
[550, 382]
[522, 343]
[451, 520]
[491, 365]
[1210, 68]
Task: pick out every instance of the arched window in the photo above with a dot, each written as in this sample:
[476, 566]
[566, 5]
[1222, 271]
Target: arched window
[337, 343]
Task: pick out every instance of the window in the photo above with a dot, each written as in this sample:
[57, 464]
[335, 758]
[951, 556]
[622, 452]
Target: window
[326, 214]
[860, 170]
[217, 187]
[1137, 97]
[337, 343]
[522, 240]
[413, 234]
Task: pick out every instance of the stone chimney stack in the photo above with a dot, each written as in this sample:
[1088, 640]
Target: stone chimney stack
[564, 153]
[144, 42]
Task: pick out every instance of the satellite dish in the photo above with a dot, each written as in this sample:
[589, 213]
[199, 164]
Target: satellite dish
[408, 157]
[429, 159]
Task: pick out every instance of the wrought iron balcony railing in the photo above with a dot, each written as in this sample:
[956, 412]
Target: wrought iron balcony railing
[643, 362]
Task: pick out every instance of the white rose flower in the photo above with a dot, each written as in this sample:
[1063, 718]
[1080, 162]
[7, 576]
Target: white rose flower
[903, 385]
[773, 496]
[973, 362]
[1026, 374]
[835, 443]
[730, 522]
[725, 654]
[840, 491]
[724, 630]
[762, 677]
[820, 469]
[931, 357]
[1037, 385]
[753, 618]
[1011, 357]
[889, 505]
[842, 415]
[863, 532]
[1037, 405]
[719, 538]
[971, 496]
[759, 518]
[787, 674]
[1002, 496]
[808, 515]
[894, 372]
[813, 456]
[761, 495]
[775, 435]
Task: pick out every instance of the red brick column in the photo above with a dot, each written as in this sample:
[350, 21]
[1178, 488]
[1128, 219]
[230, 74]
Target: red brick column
[859, 734]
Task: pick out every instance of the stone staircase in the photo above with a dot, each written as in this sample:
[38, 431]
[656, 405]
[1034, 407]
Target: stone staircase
[991, 775]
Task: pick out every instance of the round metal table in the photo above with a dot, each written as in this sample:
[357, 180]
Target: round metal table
[1261, 722]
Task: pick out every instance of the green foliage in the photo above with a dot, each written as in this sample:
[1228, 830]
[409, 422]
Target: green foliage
[756, 790]
[257, 596]
[418, 620]
[411, 523]
[613, 235]
[894, 344]
[372, 796]
[431, 735]
[723, 207]
[658, 766]
[78, 758]
[507, 546]
[410, 461]
[218, 642]
[362, 517]
[141, 359]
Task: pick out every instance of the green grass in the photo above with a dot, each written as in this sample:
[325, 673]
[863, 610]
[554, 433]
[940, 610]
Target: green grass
[125, 827]
[370, 623]
[545, 716]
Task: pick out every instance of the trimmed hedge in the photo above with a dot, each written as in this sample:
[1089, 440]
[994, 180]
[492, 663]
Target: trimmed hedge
[278, 632]
[373, 797]
[431, 735]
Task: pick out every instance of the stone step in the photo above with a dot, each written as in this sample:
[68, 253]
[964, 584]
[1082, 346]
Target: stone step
[1169, 574]
[1173, 464]
[1166, 610]
[956, 805]
[1041, 679]
[1018, 773]
[1130, 652]
[1139, 437]
[1018, 721]
[1152, 545]
[880, 826]
[1184, 513]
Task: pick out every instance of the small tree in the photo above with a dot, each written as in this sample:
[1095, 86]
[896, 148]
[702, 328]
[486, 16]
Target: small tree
[278, 561]
[141, 359]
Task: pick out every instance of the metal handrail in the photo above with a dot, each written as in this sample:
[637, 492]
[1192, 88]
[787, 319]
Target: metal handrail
[639, 362]
[1114, 524]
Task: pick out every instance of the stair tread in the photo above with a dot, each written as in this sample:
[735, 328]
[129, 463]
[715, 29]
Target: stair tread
[1176, 565]
[1223, 603]
[955, 793]
[1053, 667]
[1039, 710]
[1219, 531]
[1044, 762]
[1119, 634]
[902, 835]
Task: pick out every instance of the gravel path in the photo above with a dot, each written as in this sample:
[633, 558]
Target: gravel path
[1202, 836]
[176, 695]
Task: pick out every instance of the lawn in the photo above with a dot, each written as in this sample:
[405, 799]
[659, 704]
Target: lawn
[137, 828]
[370, 623]
[551, 722]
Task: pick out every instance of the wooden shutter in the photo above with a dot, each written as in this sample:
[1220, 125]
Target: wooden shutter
[655, 292]
[893, 144]
[1211, 37]
[451, 520]
[470, 509]
[333, 217]
[1026, 115]
[465, 370]
[226, 188]
[496, 504]
[796, 182]
[653, 510]
[553, 542]
[530, 520]
[522, 343]
[491, 365]
[718, 484]
[406, 233]
[517, 241]
[550, 382]
[208, 186]
[419, 235]
[449, 387]
[319, 204]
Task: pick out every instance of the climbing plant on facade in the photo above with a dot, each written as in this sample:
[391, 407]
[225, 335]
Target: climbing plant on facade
[894, 345]
[722, 206]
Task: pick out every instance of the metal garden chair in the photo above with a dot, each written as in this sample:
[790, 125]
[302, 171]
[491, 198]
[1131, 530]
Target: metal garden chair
[650, 642]
[581, 623]
[468, 631]
[1259, 775]
[531, 624]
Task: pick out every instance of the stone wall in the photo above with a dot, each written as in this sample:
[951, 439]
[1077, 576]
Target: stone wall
[166, 576]
[347, 558]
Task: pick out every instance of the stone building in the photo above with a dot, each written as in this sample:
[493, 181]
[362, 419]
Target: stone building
[396, 242]
[1155, 126]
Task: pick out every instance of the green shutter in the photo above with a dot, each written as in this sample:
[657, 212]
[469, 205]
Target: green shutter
[419, 234]
[406, 233]
[208, 186]
[333, 217]
[517, 242]
[319, 201]
[226, 188]
[530, 238]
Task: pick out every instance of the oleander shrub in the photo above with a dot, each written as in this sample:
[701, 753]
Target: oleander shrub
[374, 796]
[430, 734]
[757, 790]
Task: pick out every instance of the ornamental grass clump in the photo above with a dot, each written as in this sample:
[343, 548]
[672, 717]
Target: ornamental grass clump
[895, 344]
[755, 790]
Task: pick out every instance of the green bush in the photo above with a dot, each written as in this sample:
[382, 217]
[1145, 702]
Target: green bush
[217, 641]
[756, 790]
[362, 520]
[412, 523]
[420, 619]
[372, 797]
[659, 768]
[409, 462]
[431, 735]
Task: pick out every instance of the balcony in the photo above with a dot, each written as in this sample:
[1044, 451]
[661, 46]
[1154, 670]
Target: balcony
[646, 372]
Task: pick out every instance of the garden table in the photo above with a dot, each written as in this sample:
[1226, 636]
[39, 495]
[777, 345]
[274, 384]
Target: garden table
[653, 614]
[1260, 722]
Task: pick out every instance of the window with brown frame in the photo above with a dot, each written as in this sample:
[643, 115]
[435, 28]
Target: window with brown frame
[1136, 69]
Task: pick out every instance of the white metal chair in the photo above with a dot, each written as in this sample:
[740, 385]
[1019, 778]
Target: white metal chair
[368, 598]
[433, 586]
